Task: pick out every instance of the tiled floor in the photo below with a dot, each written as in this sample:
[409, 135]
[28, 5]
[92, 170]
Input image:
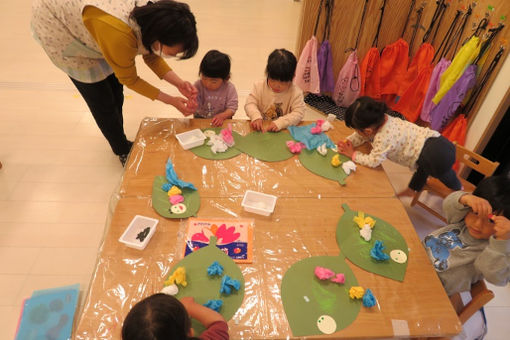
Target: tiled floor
[58, 172]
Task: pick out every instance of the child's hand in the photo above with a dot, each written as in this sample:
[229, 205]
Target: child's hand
[480, 206]
[188, 302]
[345, 148]
[256, 124]
[273, 127]
[220, 118]
[501, 228]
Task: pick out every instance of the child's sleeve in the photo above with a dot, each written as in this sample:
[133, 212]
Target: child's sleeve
[216, 331]
[232, 100]
[251, 107]
[356, 139]
[375, 157]
[494, 262]
[453, 209]
[297, 112]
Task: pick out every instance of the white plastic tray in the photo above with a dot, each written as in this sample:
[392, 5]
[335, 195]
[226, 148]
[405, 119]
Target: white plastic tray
[259, 203]
[137, 227]
[191, 139]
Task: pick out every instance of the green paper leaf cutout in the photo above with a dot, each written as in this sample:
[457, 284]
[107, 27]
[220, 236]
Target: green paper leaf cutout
[321, 165]
[357, 250]
[266, 146]
[162, 205]
[203, 287]
[305, 298]
[204, 151]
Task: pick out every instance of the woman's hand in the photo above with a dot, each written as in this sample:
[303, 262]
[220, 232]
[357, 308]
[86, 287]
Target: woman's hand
[345, 148]
[185, 106]
[189, 91]
[256, 124]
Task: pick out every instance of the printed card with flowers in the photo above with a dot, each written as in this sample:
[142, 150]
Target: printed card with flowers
[234, 237]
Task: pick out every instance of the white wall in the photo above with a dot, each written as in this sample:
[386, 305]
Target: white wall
[490, 104]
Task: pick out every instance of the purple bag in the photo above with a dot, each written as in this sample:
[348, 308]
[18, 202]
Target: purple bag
[428, 105]
[348, 83]
[445, 109]
[325, 63]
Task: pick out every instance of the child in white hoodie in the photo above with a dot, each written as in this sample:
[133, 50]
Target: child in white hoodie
[276, 98]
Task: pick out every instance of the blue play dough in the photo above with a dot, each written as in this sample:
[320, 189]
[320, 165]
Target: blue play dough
[303, 134]
[172, 179]
[377, 251]
[227, 283]
[215, 269]
[214, 304]
[369, 299]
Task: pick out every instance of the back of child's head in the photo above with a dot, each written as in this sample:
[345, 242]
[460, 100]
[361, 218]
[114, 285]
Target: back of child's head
[365, 112]
[496, 190]
[157, 317]
[281, 65]
[215, 65]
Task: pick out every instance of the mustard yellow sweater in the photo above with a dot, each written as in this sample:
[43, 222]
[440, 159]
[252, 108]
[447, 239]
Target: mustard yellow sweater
[119, 46]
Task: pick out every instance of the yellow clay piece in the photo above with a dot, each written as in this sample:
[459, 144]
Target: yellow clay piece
[361, 220]
[178, 277]
[356, 292]
[174, 191]
[335, 161]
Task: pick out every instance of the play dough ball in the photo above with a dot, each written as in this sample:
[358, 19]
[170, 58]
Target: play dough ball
[170, 290]
[326, 324]
[398, 256]
[178, 208]
[209, 133]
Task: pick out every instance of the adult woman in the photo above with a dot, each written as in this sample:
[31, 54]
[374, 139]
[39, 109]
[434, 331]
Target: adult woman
[95, 42]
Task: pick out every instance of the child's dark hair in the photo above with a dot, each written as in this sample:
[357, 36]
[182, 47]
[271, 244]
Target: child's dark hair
[157, 317]
[281, 65]
[215, 65]
[496, 190]
[169, 22]
[365, 112]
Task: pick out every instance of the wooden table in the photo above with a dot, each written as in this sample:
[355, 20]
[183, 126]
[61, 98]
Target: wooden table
[302, 225]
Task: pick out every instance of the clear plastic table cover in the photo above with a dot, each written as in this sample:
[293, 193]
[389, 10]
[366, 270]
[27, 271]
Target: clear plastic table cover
[302, 225]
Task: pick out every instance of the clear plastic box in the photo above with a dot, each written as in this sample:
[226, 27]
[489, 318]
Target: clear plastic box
[191, 139]
[139, 232]
[259, 203]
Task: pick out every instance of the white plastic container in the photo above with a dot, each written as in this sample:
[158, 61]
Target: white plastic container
[259, 203]
[135, 235]
[191, 139]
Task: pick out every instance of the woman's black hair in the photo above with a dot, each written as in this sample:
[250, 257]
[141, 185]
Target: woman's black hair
[281, 65]
[496, 190]
[157, 317]
[365, 112]
[215, 65]
[169, 22]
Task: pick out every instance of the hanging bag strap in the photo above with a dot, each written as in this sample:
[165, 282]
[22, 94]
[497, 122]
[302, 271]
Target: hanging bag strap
[437, 15]
[318, 17]
[447, 36]
[486, 43]
[361, 23]
[419, 13]
[376, 38]
[460, 31]
[482, 25]
[476, 91]
[443, 11]
[330, 4]
[413, 2]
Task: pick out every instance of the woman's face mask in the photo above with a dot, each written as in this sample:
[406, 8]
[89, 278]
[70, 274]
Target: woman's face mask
[165, 51]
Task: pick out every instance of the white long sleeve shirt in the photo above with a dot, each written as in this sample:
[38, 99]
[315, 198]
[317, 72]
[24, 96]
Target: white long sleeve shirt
[285, 108]
[397, 140]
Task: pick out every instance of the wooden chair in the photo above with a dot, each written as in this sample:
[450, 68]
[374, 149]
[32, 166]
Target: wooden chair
[463, 156]
[480, 295]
